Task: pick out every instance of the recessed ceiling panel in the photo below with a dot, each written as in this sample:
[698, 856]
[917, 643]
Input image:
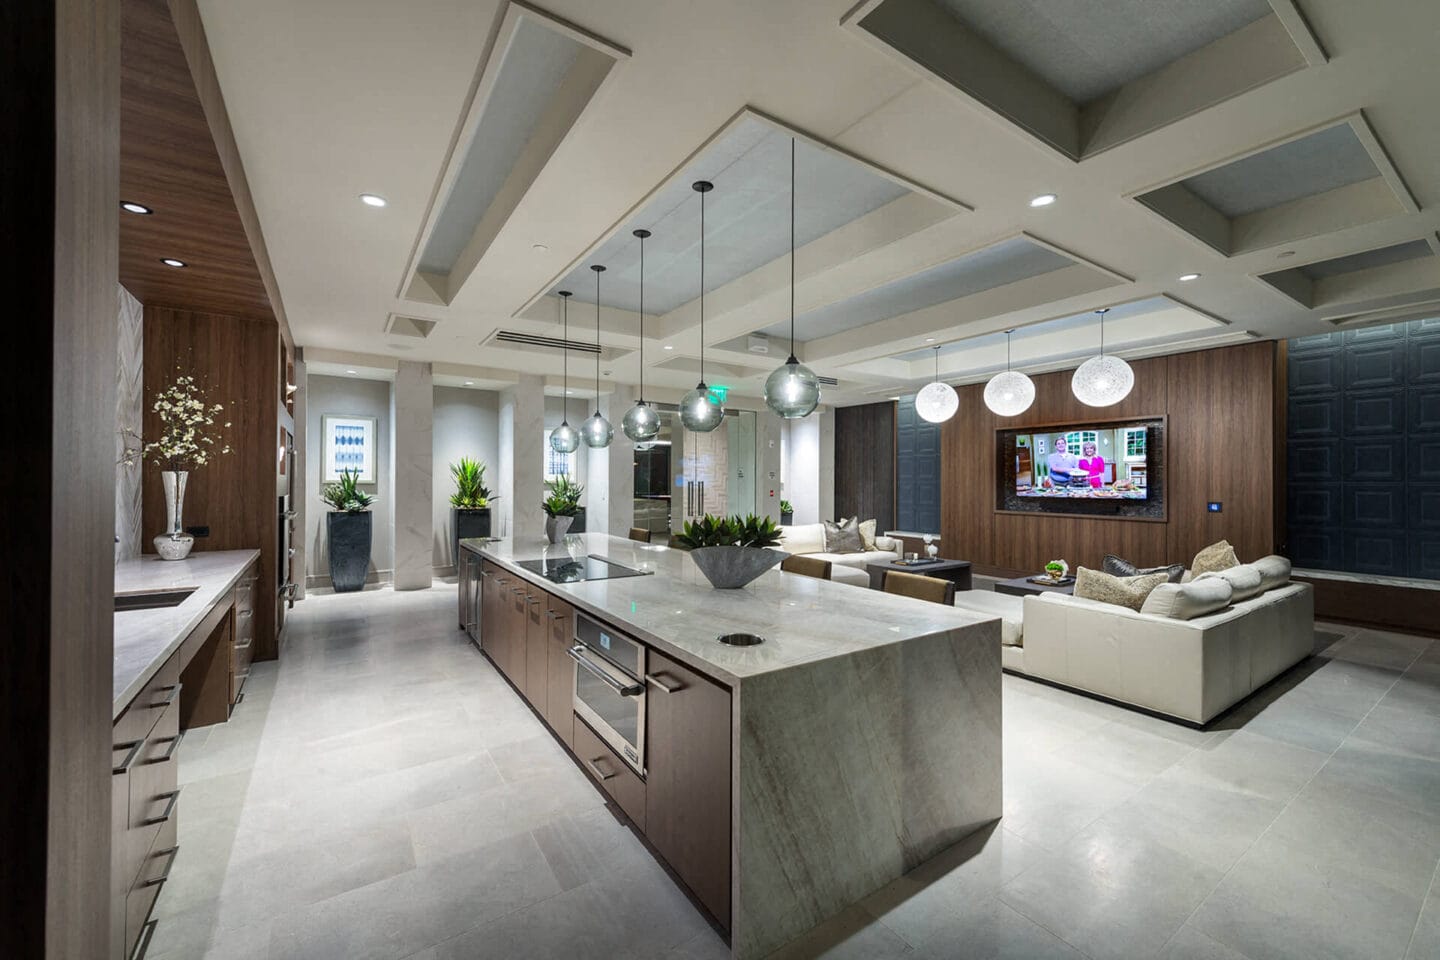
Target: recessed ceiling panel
[1323, 161]
[1122, 311]
[1399, 253]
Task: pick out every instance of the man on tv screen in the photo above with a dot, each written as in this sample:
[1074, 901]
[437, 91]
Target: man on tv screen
[1062, 462]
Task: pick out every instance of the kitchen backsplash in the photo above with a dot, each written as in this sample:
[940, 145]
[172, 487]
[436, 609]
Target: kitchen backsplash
[129, 399]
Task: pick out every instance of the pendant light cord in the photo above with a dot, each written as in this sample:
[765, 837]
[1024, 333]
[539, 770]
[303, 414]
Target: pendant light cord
[642, 319]
[1102, 313]
[597, 342]
[565, 400]
[792, 359]
[702, 286]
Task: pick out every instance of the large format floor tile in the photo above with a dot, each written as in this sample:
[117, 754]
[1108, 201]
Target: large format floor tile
[383, 793]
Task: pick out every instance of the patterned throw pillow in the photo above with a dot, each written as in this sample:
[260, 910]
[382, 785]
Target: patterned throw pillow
[1217, 556]
[1122, 591]
[843, 537]
[867, 535]
[1117, 567]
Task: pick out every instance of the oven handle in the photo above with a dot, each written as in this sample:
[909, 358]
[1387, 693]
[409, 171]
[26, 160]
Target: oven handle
[577, 653]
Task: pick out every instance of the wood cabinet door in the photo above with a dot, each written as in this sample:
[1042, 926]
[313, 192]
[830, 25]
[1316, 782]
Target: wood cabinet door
[560, 670]
[514, 661]
[535, 685]
[687, 806]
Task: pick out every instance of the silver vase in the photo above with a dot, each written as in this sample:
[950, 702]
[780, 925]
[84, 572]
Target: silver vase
[174, 543]
[557, 527]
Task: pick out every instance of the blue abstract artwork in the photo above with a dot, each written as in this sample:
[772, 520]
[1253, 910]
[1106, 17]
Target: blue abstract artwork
[349, 445]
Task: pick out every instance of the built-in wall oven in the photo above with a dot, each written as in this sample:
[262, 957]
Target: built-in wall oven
[610, 687]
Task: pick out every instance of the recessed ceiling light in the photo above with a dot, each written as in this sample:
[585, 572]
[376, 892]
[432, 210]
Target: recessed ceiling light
[372, 199]
[469, 383]
[668, 347]
[569, 392]
[172, 262]
[1187, 277]
[929, 339]
[352, 373]
[132, 207]
[539, 248]
[1044, 200]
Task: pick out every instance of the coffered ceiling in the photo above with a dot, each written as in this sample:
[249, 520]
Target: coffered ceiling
[1283, 151]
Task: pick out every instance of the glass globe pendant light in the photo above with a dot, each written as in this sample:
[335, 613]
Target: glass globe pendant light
[936, 402]
[793, 390]
[597, 430]
[564, 439]
[641, 422]
[1009, 394]
[699, 410]
[1102, 380]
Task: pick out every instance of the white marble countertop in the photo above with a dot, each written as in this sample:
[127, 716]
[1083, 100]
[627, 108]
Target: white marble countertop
[144, 639]
[676, 610]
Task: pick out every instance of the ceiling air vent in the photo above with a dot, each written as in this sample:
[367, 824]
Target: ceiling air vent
[554, 343]
[828, 381]
[757, 343]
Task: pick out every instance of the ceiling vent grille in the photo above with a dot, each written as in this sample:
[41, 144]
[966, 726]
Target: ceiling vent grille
[554, 343]
[828, 381]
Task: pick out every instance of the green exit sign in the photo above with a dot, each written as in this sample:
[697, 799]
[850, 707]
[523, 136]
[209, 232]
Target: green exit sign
[719, 391]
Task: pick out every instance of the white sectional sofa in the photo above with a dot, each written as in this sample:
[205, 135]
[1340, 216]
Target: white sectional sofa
[809, 539]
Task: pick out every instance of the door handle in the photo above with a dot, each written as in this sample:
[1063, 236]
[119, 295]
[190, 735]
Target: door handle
[170, 797]
[134, 749]
[657, 679]
[594, 765]
[156, 881]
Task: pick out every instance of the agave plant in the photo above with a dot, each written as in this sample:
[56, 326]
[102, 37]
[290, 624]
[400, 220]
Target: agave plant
[564, 497]
[345, 494]
[470, 490]
[736, 531]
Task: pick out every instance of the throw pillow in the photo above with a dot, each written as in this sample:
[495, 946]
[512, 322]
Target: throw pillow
[1274, 572]
[1186, 601]
[1122, 591]
[1117, 567]
[843, 537]
[1243, 578]
[867, 535]
[1217, 556]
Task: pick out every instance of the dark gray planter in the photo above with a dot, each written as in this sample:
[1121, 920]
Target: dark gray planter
[349, 537]
[786, 519]
[577, 524]
[466, 524]
[729, 568]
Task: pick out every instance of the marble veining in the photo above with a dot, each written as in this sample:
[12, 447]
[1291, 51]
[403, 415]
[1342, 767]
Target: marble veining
[145, 638]
[129, 414]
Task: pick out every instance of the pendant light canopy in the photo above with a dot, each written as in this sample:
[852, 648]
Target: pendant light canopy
[793, 390]
[1009, 394]
[700, 411]
[641, 422]
[564, 439]
[597, 430]
[936, 402]
[1102, 380]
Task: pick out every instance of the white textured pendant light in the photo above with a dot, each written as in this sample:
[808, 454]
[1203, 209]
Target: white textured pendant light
[597, 431]
[564, 439]
[641, 422]
[1009, 394]
[1102, 380]
[792, 391]
[937, 402]
[699, 410]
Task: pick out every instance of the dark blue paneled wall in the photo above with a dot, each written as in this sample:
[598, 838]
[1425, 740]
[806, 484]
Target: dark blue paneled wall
[1363, 450]
[917, 470]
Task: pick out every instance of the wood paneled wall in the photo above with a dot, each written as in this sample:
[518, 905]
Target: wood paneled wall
[1221, 445]
[237, 361]
[865, 463]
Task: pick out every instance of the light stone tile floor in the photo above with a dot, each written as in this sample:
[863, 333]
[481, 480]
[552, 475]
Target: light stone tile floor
[382, 794]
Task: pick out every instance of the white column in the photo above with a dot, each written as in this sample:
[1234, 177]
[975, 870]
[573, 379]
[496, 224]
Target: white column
[825, 418]
[612, 472]
[298, 484]
[413, 419]
[810, 474]
[522, 460]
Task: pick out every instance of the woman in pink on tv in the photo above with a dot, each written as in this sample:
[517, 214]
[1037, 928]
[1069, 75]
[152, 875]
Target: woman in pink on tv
[1093, 464]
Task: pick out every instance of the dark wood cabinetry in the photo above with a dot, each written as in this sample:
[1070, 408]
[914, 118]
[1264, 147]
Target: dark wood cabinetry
[536, 678]
[687, 799]
[560, 670]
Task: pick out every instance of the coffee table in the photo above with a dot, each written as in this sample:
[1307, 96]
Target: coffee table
[1021, 586]
[956, 571]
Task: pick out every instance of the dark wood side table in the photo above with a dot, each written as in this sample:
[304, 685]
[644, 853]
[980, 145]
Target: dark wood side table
[956, 571]
[1021, 586]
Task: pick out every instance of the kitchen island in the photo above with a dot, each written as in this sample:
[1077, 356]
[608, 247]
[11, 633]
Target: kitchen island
[781, 782]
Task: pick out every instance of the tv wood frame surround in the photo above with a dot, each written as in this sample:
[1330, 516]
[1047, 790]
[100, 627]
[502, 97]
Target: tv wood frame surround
[1100, 509]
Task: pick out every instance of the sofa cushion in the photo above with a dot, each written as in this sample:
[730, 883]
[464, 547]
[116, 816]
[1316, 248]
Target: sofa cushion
[1186, 601]
[1121, 591]
[1217, 556]
[887, 545]
[867, 535]
[843, 536]
[843, 573]
[1010, 610]
[803, 538]
[855, 559]
[1118, 567]
[1274, 571]
[1244, 580]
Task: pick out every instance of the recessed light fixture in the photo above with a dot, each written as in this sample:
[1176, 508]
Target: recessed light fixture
[130, 206]
[929, 339]
[469, 383]
[172, 262]
[353, 373]
[668, 347]
[569, 393]
[1187, 277]
[372, 199]
[1044, 200]
[539, 248]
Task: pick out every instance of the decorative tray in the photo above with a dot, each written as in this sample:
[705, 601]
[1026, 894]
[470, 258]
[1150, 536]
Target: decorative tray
[1047, 581]
[922, 561]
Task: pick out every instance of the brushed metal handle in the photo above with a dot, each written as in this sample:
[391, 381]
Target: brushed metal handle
[577, 654]
[134, 747]
[245, 646]
[533, 600]
[169, 865]
[170, 753]
[655, 678]
[594, 765]
[174, 689]
[171, 797]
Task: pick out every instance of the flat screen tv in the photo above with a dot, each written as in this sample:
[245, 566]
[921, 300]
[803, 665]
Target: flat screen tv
[1083, 463]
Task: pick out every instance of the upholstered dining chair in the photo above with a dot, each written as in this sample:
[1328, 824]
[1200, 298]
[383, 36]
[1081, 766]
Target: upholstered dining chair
[640, 534]
[921, 588]
[807, 566]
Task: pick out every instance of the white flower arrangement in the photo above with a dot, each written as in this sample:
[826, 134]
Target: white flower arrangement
[185, 440]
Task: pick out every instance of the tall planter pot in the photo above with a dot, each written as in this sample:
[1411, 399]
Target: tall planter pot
[349, 546]
[467, 524]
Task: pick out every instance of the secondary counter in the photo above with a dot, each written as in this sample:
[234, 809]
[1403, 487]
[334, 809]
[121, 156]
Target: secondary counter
[862, 737]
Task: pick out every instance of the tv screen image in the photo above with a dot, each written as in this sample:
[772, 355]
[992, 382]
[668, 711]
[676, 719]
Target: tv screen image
[1083, 463]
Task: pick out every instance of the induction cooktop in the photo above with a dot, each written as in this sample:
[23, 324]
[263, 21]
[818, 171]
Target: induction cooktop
[571, 570]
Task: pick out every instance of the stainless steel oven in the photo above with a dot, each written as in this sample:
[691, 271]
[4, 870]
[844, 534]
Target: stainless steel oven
[609, 689]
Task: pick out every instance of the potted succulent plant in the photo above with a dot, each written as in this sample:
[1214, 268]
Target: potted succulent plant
[349, 529]
[469, 504]
[560, 506]
[732, 551]
[787, 512]
[1057, 569]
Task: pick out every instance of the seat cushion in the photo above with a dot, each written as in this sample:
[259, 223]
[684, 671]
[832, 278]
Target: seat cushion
[1244, 580]
[1217, 556]
[855, 559]
[1186, 601]
[1010, 610]
[1121, 591]
[840, 573]
[803, 538]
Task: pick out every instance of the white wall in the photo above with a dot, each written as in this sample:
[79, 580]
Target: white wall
[466, 425]
[808, 466]
[357, 397]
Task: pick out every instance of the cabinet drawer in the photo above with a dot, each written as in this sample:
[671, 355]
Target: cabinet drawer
[612, 774]
[140, 901]
[154, 779]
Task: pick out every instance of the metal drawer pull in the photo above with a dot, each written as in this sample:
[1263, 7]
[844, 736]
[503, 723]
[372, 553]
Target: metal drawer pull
[174, 689]
[155, 882]
[142, 945]
[134, 747]
[174, 745]
[172, 796]
[625, 690]
[552, 614]
[534, 600]
[244, 646]
[655, 678]
[594, 765]
[245, 613]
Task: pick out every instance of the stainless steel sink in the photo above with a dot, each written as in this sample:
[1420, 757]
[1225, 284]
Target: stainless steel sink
[153, 599]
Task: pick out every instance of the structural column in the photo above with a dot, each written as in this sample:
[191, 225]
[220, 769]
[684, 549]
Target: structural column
[412, 460]
[522, 459]
[610, 473]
